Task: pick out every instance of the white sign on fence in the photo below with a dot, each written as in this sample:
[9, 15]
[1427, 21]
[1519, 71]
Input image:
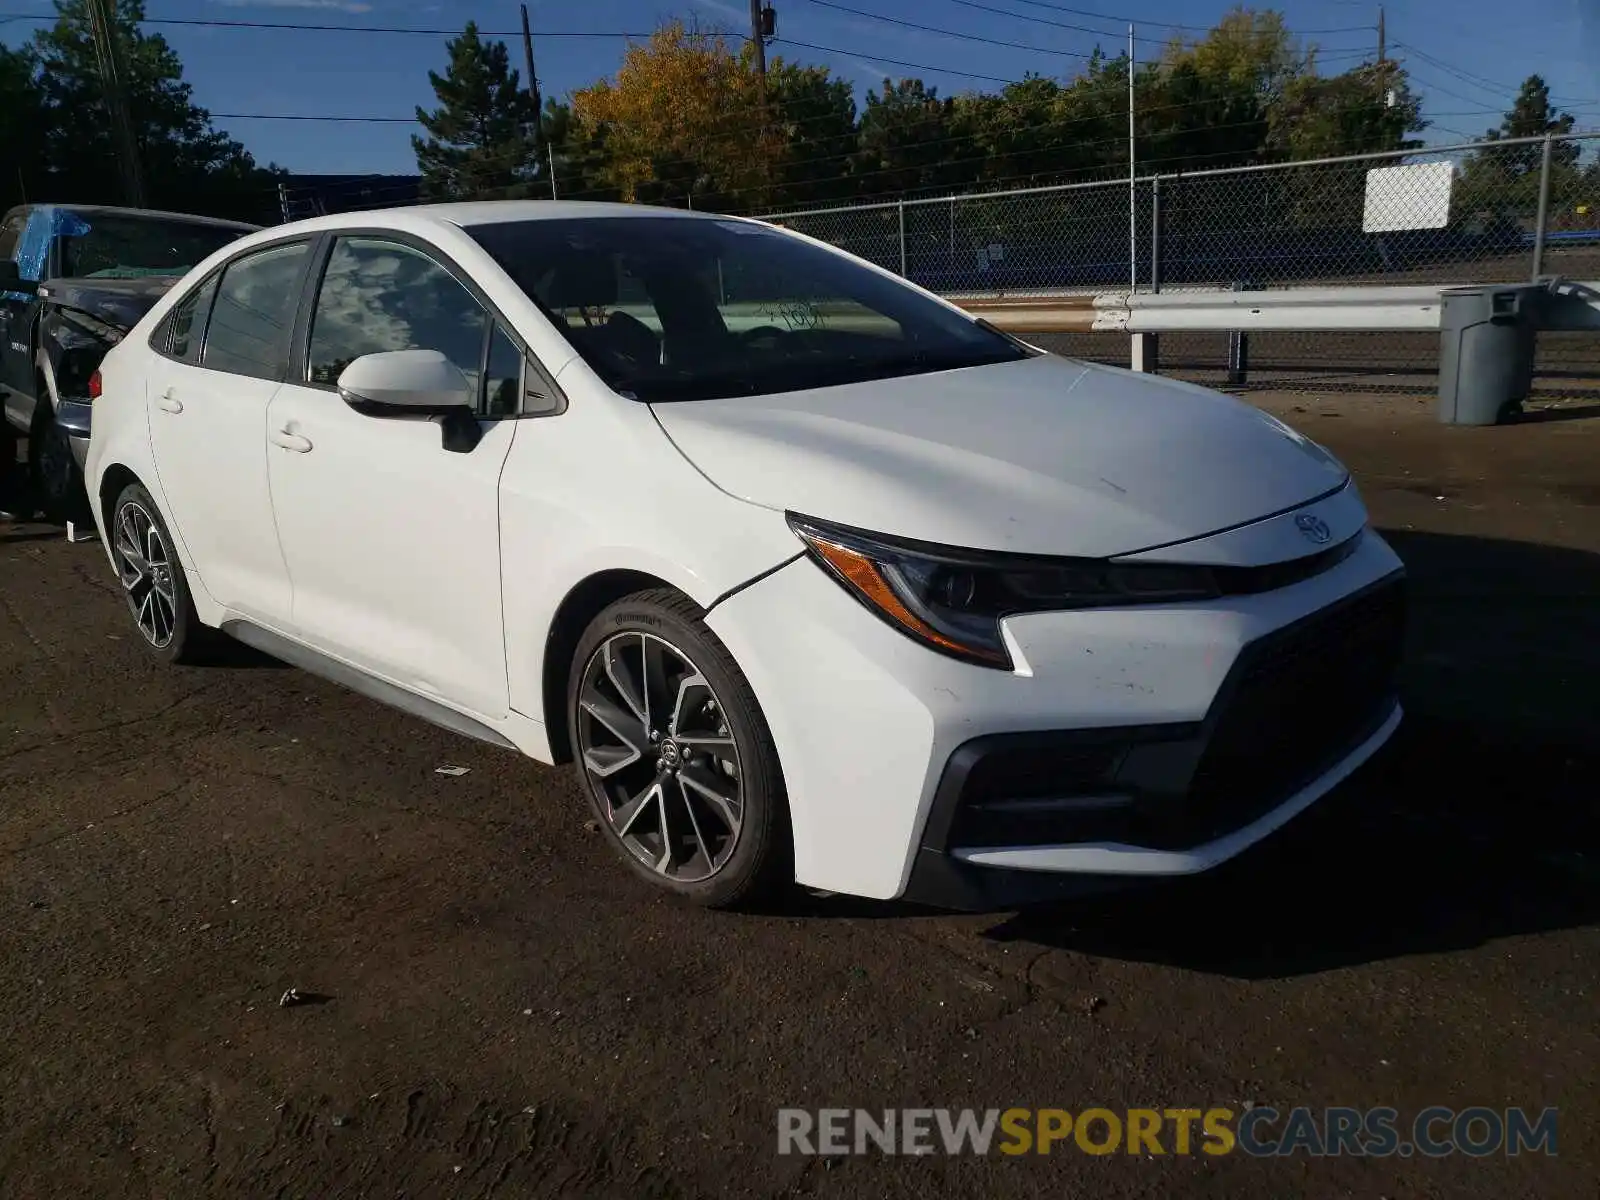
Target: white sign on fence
[1409, 197]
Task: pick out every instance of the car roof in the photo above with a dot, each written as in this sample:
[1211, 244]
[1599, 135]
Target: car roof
[468, 214]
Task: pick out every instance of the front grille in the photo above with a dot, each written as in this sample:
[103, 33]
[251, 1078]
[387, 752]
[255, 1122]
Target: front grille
[1247, 581]
[1301, 700]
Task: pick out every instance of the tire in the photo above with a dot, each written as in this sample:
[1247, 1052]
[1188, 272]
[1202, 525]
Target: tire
[153, 581]
[712, 770]
[10, 472]
[56, 477]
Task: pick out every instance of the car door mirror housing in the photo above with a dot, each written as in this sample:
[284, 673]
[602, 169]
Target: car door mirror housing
[407, 383]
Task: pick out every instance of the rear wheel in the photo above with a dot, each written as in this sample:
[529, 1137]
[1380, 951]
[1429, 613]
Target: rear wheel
[10, 473]
[153, 581]
[675, 755]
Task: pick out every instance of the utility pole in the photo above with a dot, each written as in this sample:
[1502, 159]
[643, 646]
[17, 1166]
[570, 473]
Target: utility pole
[1133, 222]
[533, 91]
[108, 58]
[1383, 41]
[759, 39]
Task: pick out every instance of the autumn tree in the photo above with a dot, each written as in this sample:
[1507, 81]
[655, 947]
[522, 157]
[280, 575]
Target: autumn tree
[480, 139]
[682, 123]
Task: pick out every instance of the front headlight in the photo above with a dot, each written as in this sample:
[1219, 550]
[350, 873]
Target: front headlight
[953, 600]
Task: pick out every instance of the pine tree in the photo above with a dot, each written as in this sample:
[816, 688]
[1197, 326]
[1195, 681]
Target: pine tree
[1531, 115]
[480, 143]
[187, 164]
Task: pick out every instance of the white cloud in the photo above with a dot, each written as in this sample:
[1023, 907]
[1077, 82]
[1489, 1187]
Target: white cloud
[740, 16]
[349, 6]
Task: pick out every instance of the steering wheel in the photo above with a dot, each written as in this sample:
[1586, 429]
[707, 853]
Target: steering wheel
[762, 331]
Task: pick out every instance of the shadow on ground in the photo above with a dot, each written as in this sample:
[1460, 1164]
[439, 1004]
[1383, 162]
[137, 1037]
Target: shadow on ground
[1481, 820]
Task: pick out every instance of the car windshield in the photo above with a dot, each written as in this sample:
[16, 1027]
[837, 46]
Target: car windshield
[124, 247]
[675, 308]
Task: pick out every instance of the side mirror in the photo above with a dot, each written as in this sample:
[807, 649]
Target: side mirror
[11, 281]
[418, 384]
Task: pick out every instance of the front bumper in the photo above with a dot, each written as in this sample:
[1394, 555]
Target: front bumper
[879, 737]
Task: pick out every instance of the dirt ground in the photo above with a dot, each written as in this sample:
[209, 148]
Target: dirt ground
[499, 1010]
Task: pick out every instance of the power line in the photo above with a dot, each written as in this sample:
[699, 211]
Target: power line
[1126, 19]
[896, 62]
[223, 116]
[965, 37]
[1483, 82]
[1113, 33]
[299, 26]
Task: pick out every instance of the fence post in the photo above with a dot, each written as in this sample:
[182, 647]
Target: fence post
[1543, 220]
[901, 205]
[1147, 346]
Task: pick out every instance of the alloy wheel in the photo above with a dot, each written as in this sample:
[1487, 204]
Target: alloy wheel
[656, 747]
[145, 566]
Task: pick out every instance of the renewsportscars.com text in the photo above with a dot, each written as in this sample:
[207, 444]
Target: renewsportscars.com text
[1261, 1132]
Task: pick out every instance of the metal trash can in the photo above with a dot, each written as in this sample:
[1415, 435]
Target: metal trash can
[1486, 351]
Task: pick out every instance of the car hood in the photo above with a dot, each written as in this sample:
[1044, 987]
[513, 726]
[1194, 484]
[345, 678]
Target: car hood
[1044, 456]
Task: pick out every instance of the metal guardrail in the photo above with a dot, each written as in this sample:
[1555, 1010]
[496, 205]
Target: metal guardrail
[1575, 306]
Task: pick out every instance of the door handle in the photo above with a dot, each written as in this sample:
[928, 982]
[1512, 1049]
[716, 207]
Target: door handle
[167, 402]
[290, 441]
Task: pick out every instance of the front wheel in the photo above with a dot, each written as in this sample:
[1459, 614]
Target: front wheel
[675, 755]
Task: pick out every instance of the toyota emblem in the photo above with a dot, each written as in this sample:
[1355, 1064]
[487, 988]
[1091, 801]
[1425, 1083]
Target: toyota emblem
[1314, 527]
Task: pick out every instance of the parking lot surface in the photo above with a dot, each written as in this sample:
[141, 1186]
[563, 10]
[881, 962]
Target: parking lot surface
[495, 1008]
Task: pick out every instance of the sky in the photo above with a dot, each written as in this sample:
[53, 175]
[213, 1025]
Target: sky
[1466, 57]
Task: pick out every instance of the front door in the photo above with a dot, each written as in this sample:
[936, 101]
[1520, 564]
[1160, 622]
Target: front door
[207, 397]
[392, 541]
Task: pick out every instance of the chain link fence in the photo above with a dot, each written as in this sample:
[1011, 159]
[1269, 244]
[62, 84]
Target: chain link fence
[1486, 212]
[1509, 208]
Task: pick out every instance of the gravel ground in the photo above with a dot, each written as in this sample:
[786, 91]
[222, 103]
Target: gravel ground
[496, 1009]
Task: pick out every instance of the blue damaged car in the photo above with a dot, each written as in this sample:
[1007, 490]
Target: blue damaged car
[74, 279]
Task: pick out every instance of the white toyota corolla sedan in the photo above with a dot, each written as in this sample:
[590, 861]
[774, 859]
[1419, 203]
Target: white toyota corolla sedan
[814, 576]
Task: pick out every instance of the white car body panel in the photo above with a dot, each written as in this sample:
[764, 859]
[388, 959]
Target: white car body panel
[442, 574]
[1043, 456]
[688, 535]
[869, 766]
[393, 546]
[209, 449]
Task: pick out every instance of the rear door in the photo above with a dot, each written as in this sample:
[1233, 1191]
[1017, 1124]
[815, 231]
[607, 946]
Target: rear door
[222, 355]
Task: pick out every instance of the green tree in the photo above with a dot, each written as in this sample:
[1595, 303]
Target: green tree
[903, 142]
[814, 118]
[22, 128]
[186, 164]
[1368, 109]
[480, 138]
[1500, 183]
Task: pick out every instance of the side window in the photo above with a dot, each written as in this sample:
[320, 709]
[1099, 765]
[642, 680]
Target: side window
[605, 307]
[378, 296]
[11, 233]
[185, 328]
[502, 384]
[254, 311]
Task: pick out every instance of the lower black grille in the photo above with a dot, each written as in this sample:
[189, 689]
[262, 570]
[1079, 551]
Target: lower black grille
[1300, 700]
